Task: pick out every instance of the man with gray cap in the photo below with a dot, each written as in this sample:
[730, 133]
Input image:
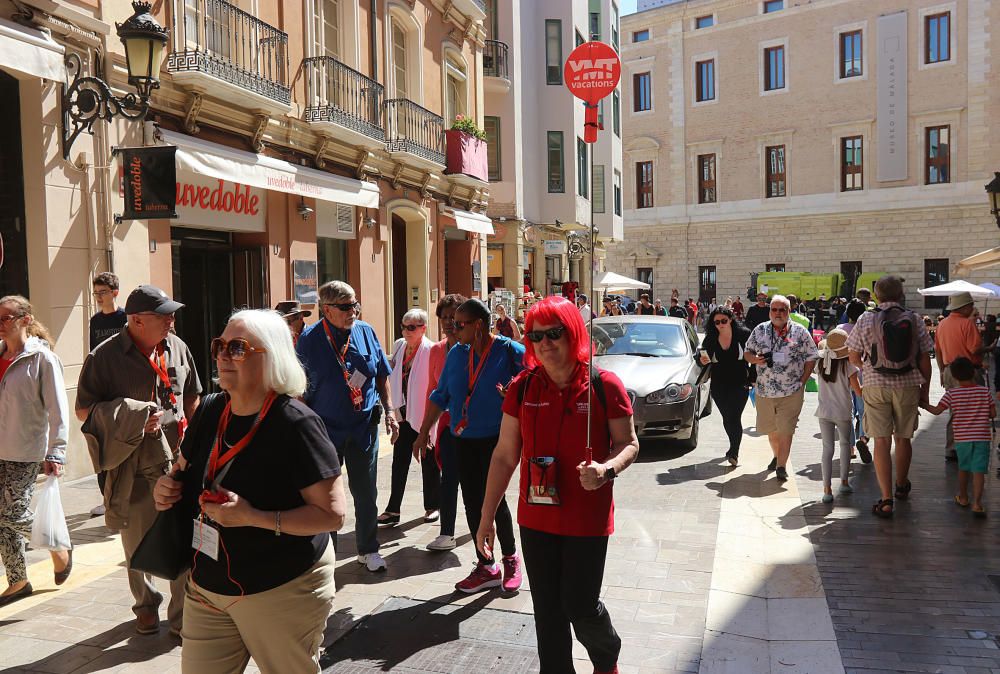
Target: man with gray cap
[957, 337]
[145, 369]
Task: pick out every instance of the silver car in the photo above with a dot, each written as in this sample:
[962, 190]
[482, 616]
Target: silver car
[656, 359]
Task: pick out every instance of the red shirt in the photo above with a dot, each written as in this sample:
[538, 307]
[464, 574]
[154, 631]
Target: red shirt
[553, 423]
[4, 364]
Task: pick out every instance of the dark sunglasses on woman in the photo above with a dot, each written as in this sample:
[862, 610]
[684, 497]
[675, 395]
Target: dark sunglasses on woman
[410, 328]
[724, 321]
[237, 349]
[554, 334]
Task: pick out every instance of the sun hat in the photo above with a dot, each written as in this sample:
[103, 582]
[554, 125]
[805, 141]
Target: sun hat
[959, 300]
[834, 347]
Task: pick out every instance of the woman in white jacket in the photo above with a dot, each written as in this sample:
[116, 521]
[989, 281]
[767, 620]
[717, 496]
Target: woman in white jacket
[408, 385]
[34, 418]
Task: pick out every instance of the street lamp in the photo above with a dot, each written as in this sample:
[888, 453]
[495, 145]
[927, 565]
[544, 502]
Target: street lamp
[993, 189]
[90, 98]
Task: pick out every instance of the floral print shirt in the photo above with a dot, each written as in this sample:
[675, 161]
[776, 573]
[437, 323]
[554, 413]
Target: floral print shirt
[790, 353]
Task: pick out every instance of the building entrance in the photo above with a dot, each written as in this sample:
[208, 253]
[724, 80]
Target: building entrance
[13, 242]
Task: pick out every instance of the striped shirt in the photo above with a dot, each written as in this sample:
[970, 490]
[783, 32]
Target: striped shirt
[970, 412]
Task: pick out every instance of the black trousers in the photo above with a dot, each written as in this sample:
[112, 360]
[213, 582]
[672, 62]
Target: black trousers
[474, 456]
[565, 573]
[731, 399]
[402, 453]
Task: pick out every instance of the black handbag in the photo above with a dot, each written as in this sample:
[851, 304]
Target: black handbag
[165, 550]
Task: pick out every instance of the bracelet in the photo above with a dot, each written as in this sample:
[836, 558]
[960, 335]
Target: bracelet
[277, 522]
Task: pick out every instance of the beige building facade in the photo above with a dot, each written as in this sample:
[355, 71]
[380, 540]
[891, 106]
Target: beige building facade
[837, 136]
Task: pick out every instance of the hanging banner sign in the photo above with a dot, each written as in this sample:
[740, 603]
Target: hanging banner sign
[592, 72]
[149, 181]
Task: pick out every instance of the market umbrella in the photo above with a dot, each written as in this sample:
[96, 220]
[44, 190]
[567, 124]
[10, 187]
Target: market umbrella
[610, 282]
[991, 286]
[955, 287]
[984, 260]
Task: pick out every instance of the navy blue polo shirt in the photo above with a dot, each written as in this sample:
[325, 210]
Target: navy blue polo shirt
[327, 393]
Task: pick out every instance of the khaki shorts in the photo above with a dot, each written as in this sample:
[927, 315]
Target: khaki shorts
[890, 411]
[779, 415]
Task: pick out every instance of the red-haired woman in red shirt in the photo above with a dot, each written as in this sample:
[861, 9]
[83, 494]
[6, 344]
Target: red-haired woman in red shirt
[565, 508]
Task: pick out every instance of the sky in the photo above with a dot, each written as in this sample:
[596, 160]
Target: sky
[628, 7]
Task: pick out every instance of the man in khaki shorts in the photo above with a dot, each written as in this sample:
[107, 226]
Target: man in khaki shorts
[785, 355]
[892, 391]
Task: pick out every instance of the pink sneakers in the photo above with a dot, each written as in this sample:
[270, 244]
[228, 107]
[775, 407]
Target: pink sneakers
[481, 578]
[511, 573]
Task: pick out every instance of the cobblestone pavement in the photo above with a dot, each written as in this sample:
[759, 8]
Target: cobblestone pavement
[711, 569]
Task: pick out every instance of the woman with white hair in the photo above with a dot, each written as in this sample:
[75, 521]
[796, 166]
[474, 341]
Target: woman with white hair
[263, 480]
[409, 385]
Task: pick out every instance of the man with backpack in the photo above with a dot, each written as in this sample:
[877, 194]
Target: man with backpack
[892, 346]
[958, 337]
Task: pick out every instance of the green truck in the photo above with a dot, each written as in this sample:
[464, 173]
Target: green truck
[807, 285]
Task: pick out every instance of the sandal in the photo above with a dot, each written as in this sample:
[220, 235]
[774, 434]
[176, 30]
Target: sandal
[388, 519]
[981, 514]
[903, 491]
[959, 503]
[884, 508]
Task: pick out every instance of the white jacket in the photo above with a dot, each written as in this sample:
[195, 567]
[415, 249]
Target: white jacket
[34, 413]
[415, 398]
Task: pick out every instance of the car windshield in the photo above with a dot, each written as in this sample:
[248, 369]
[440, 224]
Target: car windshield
[627, 338]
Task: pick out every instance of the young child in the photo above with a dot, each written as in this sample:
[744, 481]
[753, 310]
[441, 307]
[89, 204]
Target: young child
[972, 409]
[837, 379]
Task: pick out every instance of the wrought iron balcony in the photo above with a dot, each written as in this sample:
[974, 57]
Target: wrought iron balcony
[219, 39]
[495, 59]
[411, 128]
[340, 94]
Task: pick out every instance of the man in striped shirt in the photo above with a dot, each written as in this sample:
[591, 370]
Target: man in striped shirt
[972, 411]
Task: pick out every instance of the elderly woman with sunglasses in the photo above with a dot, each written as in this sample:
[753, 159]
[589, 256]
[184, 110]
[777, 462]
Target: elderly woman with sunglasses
[723, 347]
[565, 508]
[472, 388]
[409, 384]
[263, 479]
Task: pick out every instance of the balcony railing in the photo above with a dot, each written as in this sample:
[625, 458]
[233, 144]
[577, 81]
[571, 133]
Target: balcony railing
[340, 94]
[218, 38]
[411, 128]
[495, 59]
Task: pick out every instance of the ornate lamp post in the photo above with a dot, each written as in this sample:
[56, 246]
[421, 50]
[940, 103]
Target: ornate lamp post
[90, 98]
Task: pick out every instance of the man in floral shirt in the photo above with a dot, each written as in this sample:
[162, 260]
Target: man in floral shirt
[785, 355]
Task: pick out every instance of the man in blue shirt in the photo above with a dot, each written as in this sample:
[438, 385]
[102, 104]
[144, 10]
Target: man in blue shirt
[349, 389]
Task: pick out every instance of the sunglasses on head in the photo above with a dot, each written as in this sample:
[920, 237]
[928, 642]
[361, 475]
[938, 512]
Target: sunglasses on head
[345, 306]
[554, 334]
[237, 349]
[410, 328]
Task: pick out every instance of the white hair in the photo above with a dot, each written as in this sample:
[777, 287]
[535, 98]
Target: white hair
[782, 299]
[418, 316]
[283, 372]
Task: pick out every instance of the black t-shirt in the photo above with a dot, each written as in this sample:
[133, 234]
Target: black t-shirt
[729, 370]
[757, 315]
[290, 452]
[104, 325]
[678, 312]
[645, 311]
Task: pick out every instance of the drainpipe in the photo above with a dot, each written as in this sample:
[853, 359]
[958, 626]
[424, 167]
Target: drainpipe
[373, 43]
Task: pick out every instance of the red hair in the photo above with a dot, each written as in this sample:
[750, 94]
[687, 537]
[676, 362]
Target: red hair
[557, 310]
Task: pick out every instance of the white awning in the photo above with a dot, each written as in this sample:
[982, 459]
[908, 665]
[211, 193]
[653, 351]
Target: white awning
[472, 222]
[268, 173]
[31, 52]
[985, 260]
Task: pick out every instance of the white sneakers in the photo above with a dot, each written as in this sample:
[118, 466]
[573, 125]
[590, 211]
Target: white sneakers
[442, 543]
[97, 510]
[372, 561]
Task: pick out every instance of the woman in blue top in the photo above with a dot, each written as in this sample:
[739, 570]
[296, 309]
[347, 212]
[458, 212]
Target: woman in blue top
[471, 387]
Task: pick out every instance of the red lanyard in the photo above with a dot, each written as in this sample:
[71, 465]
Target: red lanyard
[215, 461]
[160, 368]
[357, 398]
[474, 374]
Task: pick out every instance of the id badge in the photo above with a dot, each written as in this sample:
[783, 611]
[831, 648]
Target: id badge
[542, 481]
[357, 380]
[205, 539]
[460, 426]
[357, 398]
[781, 358]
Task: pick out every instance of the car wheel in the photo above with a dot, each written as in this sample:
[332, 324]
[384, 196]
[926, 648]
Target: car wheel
[691, 442]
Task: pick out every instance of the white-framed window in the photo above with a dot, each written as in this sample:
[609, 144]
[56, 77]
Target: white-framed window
[403, 42]
[327, 22]
[456, 87]
[850, 48]
[773, 71]
[774, 151]
[705, 79]
[937, 39]
[400, 59]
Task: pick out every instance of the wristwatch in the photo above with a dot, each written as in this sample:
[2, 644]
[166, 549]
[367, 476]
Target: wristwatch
[609, 474]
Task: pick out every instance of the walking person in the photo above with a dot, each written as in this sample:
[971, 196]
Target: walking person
[958, 337]
[349, 389]
[408, 383]
[34, 423]
[505, 325]
[723, 347]
[644, 308]
[565, 504]
[972, 413]
[855, 309]
[758, 313]
[896, 376]
[472, 388]
[676, 310]
[264, 481]
[658, 308]
[738, 309]
[583, 304]
[144, 376]
[785, 355]
[445, 446]
[294, 316]
[835, 409]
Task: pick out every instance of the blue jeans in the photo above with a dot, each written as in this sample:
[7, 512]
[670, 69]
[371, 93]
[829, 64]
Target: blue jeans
[449, 482]
[362, 468]
[859, 414]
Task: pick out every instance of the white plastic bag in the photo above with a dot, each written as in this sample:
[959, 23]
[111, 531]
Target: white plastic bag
[49, 531]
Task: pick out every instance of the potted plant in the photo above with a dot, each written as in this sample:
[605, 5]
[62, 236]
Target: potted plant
[466, 148]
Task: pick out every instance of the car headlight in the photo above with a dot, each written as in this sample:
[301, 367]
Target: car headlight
[671, 393]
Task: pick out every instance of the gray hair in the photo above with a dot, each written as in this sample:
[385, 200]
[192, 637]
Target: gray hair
[889, 288]
[418, 316]
[335, 291]
[283, 372]
[782, 299]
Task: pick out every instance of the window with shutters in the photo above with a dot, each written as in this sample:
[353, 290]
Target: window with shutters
[598, 187]
[491, 125]
[554, 155]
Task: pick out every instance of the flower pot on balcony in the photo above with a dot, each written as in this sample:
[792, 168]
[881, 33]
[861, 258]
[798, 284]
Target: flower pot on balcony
[466, 154]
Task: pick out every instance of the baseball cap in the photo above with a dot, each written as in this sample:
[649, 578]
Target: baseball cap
[150, 299]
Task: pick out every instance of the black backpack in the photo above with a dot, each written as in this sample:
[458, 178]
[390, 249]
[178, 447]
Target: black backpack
[895, 346]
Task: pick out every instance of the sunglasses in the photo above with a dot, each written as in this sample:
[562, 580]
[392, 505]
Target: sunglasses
[779, 310]
[345, 306]
[459, 325]
[9, 318]
[410, 328]
[722, 322]
[237, 349]
[554, 334]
